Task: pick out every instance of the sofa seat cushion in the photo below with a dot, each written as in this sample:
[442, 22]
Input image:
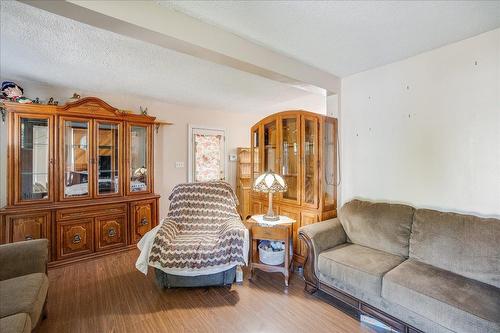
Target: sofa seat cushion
[456, 302]
[18, 323]
[358, 266]
[25, 293]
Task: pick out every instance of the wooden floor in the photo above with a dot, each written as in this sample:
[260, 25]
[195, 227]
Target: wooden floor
[110, 295]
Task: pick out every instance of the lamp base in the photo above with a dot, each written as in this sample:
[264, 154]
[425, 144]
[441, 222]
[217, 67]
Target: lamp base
[272, 218]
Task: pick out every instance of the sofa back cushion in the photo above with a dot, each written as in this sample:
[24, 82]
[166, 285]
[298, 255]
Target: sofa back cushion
[381, 226]
[464, 244]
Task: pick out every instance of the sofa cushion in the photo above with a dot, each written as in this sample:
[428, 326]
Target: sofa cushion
[18, 323]
[454, 301]
[25, 293]
[357, 266]
[463, 244]
[381, 226]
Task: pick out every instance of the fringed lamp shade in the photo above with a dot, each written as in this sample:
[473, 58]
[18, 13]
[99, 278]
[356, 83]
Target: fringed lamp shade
[270, 182]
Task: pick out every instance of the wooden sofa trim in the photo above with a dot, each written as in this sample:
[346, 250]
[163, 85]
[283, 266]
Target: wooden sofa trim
[350, 304]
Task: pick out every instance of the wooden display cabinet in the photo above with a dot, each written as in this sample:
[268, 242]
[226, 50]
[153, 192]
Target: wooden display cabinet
[302, 147]
[80, 175]
[243, 180]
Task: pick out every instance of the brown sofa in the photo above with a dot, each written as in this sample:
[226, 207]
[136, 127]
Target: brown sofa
[23, 285]
[414, 269]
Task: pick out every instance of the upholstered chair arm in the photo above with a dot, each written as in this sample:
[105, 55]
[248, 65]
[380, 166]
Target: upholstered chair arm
[318, 238]
[23, 258]
[231, 226]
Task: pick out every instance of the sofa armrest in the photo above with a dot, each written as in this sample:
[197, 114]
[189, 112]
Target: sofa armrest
[318, 238]
[23, 258]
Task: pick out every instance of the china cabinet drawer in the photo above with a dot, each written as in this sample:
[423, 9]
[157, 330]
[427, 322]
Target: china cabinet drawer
[93, 211]
[143, 215]
[27, 227]
[75, 238]
[110, 232]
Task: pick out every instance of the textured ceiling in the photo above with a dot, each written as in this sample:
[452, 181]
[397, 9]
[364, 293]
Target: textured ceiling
[346, 37]
[39, 46]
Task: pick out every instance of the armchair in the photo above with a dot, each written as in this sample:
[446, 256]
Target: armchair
[202, 239]
[23, 285]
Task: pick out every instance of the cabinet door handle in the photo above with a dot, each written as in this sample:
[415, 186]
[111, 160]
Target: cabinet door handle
[112, 232]
[144, 221]
[76, 239]
[28, 237]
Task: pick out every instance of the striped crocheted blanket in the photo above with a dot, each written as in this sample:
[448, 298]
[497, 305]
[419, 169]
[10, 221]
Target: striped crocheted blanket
[202, 229]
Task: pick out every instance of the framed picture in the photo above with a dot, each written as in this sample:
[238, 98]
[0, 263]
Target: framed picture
[207, 151]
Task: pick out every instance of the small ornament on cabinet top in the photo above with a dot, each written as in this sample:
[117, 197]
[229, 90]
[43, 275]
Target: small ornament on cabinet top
[74, 98]
[51, 101]
[14, 93]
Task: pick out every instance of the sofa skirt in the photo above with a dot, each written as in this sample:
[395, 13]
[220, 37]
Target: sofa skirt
[225, 278]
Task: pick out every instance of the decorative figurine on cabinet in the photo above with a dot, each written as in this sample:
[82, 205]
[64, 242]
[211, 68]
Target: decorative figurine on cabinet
[74, 98]
[12, 92]
[52, 101]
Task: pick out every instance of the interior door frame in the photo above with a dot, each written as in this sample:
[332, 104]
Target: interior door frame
[190, 168]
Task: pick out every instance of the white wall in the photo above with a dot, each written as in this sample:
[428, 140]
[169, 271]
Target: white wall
[426, 130]
[171, 143]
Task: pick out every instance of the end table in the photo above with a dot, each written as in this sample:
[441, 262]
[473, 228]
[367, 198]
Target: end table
[281, 230]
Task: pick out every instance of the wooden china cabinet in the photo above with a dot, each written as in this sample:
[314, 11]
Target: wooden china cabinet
[80, 175]
[302, 147]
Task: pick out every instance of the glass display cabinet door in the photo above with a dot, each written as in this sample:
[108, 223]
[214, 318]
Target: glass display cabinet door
[138, 170]
[290, 156]
[310, 132]
[270, 146]
[256, 169]
[330, 163]
[33, 176]
[108, 158]
[76, 158]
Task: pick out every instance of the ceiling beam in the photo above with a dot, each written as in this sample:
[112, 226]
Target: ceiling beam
[152, 23]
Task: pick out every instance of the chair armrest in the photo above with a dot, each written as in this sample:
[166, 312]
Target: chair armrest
[318, 238]
[231, 225]
[23, 258]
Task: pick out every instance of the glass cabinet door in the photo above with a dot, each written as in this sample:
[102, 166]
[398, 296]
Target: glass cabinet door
[108, 157]
[256, 153]
[270, 146]
[139, 159]
[329, 163]
[290, 156]
[76, 157]
[35, 158]
[310, 165]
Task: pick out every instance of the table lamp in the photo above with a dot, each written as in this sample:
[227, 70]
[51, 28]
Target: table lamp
[270, 182]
